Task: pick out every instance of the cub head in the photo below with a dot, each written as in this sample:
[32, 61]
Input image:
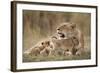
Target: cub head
[65, 30]
[45, 43]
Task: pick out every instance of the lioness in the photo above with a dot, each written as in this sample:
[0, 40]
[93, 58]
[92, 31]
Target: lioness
[69, 30]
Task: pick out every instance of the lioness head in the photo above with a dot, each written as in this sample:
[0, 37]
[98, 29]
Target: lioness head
[65, 30]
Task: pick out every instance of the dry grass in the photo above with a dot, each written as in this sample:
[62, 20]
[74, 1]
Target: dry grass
[39, 58]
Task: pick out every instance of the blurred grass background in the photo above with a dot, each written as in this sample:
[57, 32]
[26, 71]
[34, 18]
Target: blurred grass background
[39, 25]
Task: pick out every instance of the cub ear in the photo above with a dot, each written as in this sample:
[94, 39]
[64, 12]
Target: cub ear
[48, 42]
[73, 26]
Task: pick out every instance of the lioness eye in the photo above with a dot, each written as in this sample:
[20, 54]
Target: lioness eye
[58, 29]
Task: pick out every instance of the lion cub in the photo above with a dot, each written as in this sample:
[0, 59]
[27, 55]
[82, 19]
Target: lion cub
[40, 49]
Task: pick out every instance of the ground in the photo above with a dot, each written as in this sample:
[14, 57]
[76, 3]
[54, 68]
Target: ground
[39, 58]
